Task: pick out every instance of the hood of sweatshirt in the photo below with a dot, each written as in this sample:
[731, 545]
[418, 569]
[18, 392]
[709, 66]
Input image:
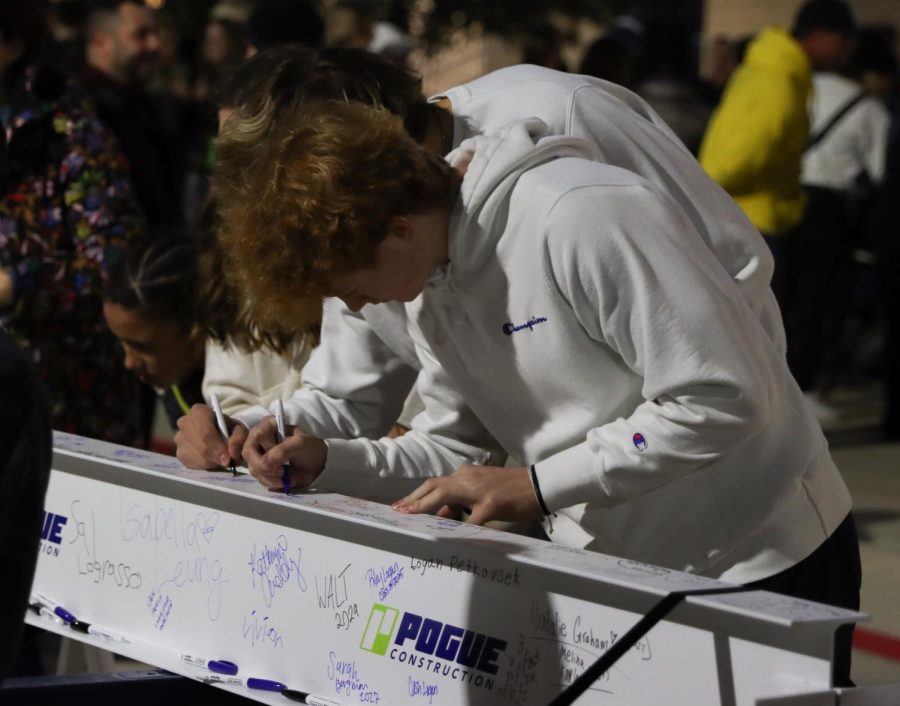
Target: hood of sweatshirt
[492, 164]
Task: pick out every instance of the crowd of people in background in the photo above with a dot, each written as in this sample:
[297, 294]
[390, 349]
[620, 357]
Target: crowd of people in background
[142, 107]
[111, 271]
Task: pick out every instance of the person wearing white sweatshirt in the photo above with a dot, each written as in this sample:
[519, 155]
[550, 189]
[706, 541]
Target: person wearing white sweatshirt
[358, 377]
[566, 308]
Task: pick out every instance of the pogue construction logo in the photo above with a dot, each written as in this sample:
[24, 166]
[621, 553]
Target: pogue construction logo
[51, 533]
[432, 646]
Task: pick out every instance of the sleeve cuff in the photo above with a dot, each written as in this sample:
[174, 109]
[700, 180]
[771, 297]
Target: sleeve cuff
[568, 478]
[344, 456]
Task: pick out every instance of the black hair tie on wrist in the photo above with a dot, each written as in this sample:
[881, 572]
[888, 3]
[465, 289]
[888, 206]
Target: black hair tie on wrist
[537, 492]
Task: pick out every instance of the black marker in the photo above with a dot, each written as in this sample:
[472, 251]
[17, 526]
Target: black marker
[305, 697]
[96, 630]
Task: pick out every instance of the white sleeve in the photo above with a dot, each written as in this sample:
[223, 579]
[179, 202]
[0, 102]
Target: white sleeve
[243, 381]
[640, 280]
[873, 139]
[354, 384]
[443, 437]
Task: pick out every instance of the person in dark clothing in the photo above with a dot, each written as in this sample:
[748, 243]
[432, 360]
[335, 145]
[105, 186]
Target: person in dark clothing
[122, 49]
[882, 224]
[276, 22]
[25, 451]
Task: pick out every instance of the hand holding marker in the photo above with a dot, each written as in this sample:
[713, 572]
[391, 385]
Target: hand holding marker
[279, 436]
[223, 427]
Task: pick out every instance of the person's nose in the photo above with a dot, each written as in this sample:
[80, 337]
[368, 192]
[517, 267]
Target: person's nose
[133, 362]
[152, 43]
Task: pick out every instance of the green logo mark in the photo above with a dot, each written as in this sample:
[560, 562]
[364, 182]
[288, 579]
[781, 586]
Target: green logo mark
[379, 629]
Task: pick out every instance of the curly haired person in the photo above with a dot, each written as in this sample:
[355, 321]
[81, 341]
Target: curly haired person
[562, 308]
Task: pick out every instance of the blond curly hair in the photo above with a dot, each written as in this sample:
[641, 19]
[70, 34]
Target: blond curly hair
[308, 194]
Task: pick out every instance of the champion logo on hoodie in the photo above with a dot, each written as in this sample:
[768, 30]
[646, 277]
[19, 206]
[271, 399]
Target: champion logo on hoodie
[509, 328]
[640, 443]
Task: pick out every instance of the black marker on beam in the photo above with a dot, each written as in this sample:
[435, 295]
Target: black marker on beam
[304, 697]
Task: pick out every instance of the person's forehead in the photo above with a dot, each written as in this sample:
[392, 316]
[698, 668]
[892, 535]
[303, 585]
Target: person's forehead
[134, 325]
[136, 19]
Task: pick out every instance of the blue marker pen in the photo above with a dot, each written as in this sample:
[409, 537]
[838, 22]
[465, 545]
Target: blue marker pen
[221, 666]
[64, 614]
[279, 427]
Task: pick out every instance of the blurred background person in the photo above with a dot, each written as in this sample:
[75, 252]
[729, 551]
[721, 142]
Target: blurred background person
[641, 55]
[65, 46]
[276, 22]
[222, 50]
[843, 163]
[755, 140]
[611, 59]
[67, 212]
[391, 42]
[122, 53]
[543, 47]
[270, 23]
[349, 24]
[718, 60]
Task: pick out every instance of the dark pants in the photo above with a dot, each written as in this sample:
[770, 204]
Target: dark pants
[832, 574]
[891, 274]
[782, 252]
[819, 250]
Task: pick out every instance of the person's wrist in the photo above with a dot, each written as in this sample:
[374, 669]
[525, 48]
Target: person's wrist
[323, 454]
[537, 492]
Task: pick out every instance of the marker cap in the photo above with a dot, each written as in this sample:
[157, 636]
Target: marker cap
[222, 666]
[79, 626]
[265, 684]
[64, 614]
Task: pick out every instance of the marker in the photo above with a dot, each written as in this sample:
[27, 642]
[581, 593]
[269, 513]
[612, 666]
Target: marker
[222, 666]
[45, 612]
[252, 683]
[306, 698]
[279, 428]
[64, 614]
[97, 631]
[223, 428]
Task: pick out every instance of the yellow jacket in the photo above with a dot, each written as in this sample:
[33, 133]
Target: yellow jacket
[755, 139]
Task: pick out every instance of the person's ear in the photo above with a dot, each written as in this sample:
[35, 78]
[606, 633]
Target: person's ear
[401, 228]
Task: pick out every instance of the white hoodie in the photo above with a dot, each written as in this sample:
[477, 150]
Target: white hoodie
[585, 322]
[358, 377]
